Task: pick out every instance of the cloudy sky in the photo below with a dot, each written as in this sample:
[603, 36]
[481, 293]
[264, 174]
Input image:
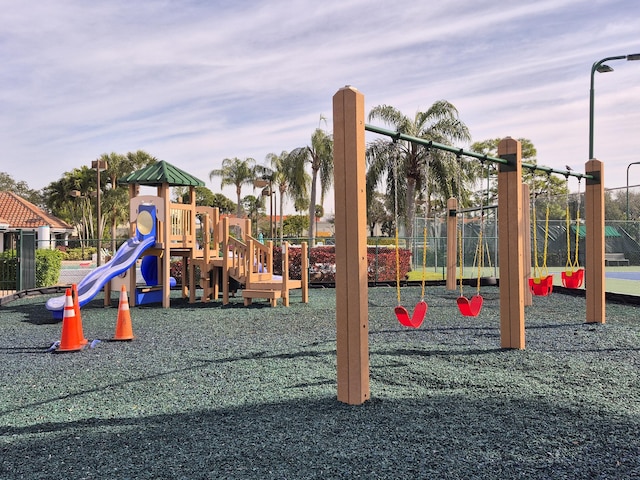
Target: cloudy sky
[195, 81]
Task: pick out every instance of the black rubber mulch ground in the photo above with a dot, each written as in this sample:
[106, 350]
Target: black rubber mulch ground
[206, 391]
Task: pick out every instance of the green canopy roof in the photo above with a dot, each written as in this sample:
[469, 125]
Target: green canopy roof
[608, 231]
[159, 173]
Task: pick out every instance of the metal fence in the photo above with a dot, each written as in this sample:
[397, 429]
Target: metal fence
[622, 241]
[18, 263]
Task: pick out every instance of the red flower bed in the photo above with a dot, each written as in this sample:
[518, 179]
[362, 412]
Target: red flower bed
[322, 264]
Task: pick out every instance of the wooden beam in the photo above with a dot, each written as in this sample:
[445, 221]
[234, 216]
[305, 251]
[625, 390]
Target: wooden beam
[352, 322]
[510, 245]
[594, 243]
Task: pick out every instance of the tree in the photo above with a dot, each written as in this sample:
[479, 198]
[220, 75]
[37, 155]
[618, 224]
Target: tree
[320, 155]
[204, 196]
[419, 171]
[224, 204]
[319, 211]
[544, 188]
[254, 206]
[115, 200]
[614, 208]
[236, 172]
[70, 198]
[294, 225]
[289, 177]
[140, 159]
[377, 213]
[8, 184]
[115, 208]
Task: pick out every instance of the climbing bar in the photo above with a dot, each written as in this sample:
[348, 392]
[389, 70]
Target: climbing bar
[466, 153]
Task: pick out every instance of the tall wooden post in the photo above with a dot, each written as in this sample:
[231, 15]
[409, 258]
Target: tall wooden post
[165, 262]
[352, 322]
[452, 242]
[133, 192]
[510, 245]
[594, 244]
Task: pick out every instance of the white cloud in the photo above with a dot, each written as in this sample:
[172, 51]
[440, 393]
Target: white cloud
[195, 82]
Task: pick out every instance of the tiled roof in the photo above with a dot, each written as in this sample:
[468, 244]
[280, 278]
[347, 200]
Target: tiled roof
[19, 213]
[162, 172]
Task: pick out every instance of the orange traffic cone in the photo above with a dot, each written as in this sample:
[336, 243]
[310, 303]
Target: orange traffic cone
[124, 330]
[76, 307]
[70, 339]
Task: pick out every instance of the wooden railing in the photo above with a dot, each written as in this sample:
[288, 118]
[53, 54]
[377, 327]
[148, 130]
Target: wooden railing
[236, 259]
[261, 268]
[182, 231]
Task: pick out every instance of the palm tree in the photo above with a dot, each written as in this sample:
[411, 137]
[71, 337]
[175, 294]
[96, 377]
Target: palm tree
[115, 200]
[236, 172]
[320, 155]
[69, 198]
[445, 176]
[255, 209]
[290, 178]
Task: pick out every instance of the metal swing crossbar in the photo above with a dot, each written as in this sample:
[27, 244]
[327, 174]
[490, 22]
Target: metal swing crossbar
[467, 153]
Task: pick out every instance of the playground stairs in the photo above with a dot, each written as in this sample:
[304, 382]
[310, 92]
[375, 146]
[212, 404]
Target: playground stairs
[250, 262]
[247, 263]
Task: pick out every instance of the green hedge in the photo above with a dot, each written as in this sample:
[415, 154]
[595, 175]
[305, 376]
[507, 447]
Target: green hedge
[48, 266]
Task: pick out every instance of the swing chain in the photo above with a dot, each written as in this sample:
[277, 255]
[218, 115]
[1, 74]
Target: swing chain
[395, 199]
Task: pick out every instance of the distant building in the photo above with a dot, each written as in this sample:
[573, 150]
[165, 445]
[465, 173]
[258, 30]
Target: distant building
[18, 214]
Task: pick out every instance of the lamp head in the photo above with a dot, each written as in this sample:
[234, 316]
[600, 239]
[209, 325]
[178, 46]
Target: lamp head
[604, 68]
[633, 56]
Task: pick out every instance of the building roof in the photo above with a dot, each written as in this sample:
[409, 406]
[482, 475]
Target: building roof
[19, 213]
[160, 173]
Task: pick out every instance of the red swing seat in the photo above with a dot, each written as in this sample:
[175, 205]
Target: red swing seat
[416, 319]
[541, 286]
[573, 278]
[470, 307]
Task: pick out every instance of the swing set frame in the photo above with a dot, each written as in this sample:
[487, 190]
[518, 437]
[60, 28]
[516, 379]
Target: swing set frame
[352, 323]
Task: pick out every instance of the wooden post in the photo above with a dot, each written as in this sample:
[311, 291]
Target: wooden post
[304, 273]
[225, 260]
[133, 192]
[352, 322]
[594, 244]
[510, 245]
[165, 261]
[452, 243]
[526, 252]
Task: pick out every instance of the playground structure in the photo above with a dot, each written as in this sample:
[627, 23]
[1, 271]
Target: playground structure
[351, 230]
[218, 269]
[161, 229]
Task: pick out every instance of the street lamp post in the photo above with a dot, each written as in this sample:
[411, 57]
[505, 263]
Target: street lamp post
[632, 163]
[600, 67]
[99, 165]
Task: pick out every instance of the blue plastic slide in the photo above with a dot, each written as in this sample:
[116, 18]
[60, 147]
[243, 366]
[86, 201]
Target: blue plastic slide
[90, 285]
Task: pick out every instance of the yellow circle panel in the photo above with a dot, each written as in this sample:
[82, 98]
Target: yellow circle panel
[144, 222]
